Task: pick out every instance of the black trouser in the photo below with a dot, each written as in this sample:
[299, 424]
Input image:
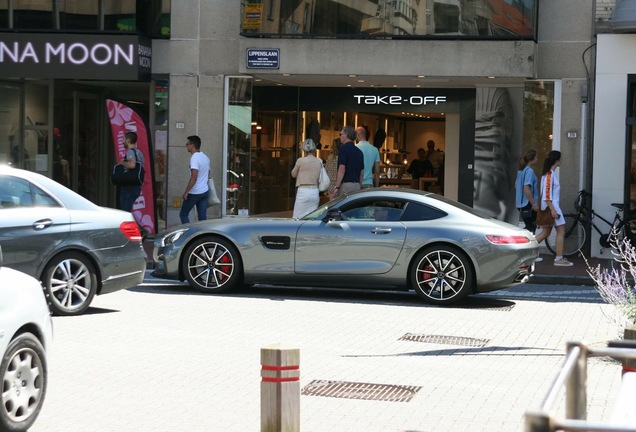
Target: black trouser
[531, 220]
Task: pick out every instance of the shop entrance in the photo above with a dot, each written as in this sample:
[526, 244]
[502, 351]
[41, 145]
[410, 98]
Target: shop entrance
[399, 138]
[77, 132]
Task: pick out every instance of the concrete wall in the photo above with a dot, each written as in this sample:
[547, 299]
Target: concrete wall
[205, 47]
[616, 59]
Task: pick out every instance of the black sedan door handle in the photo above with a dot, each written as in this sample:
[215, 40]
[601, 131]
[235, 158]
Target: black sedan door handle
[41, 224]
[380, 230]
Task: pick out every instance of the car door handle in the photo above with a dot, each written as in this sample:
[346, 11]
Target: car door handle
[380, 230]
[41, 224]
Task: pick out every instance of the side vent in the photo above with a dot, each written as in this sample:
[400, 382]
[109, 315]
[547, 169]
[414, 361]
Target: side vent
[276, 242]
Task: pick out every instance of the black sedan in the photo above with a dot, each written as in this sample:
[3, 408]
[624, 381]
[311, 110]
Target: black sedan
[74, 247]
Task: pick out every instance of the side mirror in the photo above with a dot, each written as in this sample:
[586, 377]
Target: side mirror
[332, 215]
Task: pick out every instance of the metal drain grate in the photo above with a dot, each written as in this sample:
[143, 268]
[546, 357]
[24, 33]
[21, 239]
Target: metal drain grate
[445, 340]
[364, 391]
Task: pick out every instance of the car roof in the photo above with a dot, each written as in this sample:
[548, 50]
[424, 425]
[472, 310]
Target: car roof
[66, 196]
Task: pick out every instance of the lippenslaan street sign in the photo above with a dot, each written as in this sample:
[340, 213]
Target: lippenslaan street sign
[263, 58]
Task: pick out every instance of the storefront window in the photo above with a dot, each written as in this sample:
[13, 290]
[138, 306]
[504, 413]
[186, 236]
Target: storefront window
[150, 18]
[10, 137]
[161, 149]
[538, 118]
[79, 14]
[33, 14]
[240, 167]
[631, 142]
[391, 18]
[4, 14]
[35, 150]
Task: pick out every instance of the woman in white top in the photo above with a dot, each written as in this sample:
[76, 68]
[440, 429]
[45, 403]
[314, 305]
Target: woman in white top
[550, 194]
[307, 172]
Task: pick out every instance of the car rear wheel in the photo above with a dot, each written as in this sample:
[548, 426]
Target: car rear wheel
[441, 275]
[70, 283]
[212, 264]
[24, 377]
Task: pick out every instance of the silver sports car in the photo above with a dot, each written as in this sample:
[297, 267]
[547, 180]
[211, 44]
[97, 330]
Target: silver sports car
[74, 247]
[377, 238]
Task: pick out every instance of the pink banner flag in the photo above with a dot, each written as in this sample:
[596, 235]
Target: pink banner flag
[124, 118]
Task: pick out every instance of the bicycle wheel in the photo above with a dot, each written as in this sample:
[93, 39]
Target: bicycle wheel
[574, 236]
[627, 230]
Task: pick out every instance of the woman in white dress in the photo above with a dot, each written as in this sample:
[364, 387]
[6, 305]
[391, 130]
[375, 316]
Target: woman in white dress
[550, 196]
[307, 172]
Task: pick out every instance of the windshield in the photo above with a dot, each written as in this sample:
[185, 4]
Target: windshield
[321, 211]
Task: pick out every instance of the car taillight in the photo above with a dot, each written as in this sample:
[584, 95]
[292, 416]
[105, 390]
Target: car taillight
[503, 240]
[131, 230]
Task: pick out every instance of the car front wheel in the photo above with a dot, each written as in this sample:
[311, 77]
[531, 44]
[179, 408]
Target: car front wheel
[24, 378]
[70, 283]
[441, 275]
[212, 265]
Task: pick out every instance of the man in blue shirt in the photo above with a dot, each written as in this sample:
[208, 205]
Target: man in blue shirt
[350, 164]
[371, 159]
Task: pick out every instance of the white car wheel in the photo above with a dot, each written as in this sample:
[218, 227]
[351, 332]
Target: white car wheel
[24, 378]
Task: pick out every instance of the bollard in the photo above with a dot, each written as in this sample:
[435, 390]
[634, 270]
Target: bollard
[280, 389]
[629, 335]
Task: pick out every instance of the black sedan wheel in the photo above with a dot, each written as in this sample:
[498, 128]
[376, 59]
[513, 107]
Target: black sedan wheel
[441, 275]
[212, 265]
[70, 283]
[23, 374]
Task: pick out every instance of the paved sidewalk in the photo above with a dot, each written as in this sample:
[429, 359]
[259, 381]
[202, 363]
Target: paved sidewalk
[547, 273]
[163, 358]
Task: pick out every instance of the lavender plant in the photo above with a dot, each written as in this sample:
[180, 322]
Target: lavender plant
[616, 284]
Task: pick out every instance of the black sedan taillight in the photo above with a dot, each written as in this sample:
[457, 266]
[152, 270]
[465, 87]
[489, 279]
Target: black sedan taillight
[131, 230]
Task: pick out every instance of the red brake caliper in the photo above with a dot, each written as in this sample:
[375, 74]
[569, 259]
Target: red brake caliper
[225, 268]
[426, 276]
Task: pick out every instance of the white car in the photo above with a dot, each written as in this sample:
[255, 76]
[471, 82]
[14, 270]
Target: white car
[26, 331]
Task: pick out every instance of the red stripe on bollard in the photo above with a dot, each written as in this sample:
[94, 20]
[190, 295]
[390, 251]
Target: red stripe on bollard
[277, 380]
[280, 368]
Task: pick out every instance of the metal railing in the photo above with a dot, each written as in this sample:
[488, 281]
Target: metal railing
[573, 376]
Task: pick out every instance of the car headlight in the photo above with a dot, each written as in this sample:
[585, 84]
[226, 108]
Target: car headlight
[172, 237]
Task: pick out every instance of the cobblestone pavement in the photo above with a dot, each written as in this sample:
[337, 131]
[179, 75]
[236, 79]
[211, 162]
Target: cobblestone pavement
[162, 357]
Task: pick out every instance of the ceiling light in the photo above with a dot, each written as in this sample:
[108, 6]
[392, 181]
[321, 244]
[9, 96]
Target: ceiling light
[360, 81]
[353, 76]
[286, 74]
[491, 77]
[258, 80]
[421, 76]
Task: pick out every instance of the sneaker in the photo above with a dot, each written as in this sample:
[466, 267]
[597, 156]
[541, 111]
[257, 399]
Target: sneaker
[539, 259]
[563, 262]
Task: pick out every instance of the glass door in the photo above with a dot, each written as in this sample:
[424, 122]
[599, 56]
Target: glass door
[76, 151]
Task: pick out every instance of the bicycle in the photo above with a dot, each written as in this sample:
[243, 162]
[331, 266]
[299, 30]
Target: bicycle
[577, 225]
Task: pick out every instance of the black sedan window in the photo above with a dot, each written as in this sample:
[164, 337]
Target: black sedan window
[17, 192]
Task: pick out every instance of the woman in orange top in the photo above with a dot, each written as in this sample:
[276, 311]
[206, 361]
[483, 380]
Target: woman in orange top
[550, 195]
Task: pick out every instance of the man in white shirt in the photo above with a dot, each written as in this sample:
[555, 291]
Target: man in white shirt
[196, 191]
[371, 159]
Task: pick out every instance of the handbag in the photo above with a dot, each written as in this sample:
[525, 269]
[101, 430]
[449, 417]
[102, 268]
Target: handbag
[544, 218]
[122, 176]
[213, 198]
[526, 212]
[323, 181]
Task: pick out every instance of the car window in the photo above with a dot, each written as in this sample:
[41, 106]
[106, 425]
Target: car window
[420, 212]
[374, 210]
[17, 192]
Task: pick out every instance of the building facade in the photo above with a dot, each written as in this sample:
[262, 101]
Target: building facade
[485, 80]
